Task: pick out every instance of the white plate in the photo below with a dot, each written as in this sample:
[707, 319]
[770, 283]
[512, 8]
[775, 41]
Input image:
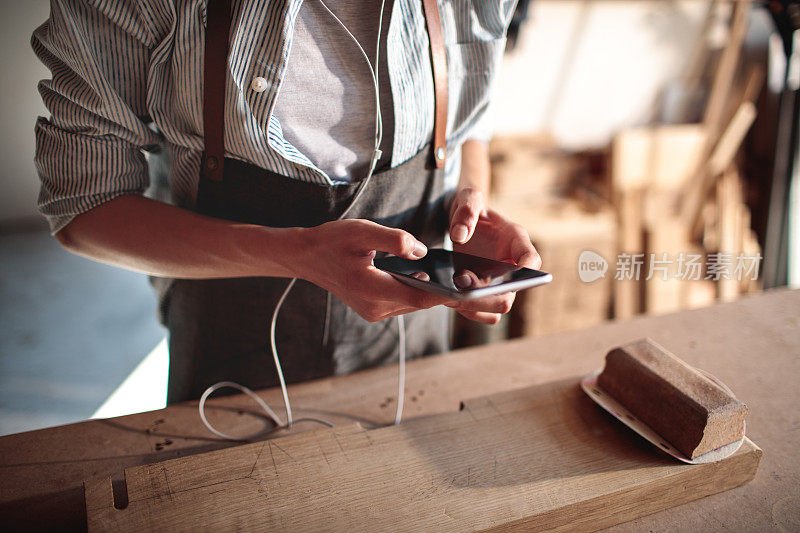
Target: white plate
[607, 402]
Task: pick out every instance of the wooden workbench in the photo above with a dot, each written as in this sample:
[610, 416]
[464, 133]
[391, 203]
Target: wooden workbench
[752, 345]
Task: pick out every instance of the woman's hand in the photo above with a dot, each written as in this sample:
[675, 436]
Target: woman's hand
[337, 256]
[476, 230]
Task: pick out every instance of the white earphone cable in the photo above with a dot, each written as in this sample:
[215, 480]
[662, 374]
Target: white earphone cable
[401, 368]
[373, 70]
[272, 326]
[376, 155]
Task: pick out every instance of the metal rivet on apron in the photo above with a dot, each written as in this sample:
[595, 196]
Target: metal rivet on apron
[212, 163]
[440, 153]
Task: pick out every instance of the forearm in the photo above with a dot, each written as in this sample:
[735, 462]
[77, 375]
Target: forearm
[475, 169]
[155, 238]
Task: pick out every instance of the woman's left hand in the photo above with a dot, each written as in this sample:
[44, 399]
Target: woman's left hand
[477, 230]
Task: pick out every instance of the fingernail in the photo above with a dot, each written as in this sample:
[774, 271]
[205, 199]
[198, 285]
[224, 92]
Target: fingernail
[419, 250]
[459, 233]
[462, 281]
[422, 276]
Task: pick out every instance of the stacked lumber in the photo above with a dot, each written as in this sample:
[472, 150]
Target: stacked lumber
[663, 206]
[678, 195]
[550, 193]
[561, 235]
[649, 168]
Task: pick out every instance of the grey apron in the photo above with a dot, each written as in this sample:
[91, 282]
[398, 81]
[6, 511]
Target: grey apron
[218, 328]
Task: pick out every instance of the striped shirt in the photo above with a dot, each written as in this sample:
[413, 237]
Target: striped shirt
[127, 77]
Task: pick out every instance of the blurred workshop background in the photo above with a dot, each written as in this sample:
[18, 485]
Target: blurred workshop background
[649, 146]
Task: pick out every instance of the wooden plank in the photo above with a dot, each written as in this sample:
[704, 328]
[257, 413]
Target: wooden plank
[632, 154]
[699, 293]
[529, 168]
[729, 225]
[544, 457]
[726, 70]
[732, 138]
[750, 248]
[628, 293]
[666, 240]
[660, 158]
[720, 159]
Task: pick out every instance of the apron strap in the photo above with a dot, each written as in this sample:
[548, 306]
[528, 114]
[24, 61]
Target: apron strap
[433, 21]
[218, 23]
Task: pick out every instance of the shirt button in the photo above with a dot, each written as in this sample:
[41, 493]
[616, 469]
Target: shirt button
[259, 84]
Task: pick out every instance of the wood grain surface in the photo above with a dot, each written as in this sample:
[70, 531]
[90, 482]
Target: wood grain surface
[753, 345]
[544, 457]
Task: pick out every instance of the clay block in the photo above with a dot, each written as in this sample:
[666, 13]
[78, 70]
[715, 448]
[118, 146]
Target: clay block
[682, 405]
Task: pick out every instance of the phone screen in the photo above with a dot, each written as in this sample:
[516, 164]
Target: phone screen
[456, 273]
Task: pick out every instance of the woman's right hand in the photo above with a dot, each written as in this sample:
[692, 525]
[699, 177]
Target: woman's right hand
[337, 256]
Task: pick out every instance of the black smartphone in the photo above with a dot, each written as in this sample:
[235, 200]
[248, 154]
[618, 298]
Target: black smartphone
[461, 276]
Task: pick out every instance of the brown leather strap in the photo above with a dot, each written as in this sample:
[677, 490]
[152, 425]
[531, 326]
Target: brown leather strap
[218, 23]
[439, 63]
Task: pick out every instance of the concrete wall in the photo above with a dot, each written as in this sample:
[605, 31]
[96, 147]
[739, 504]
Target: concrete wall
[584, 69]
[19, 106]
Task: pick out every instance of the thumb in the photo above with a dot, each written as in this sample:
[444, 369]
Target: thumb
[467, 207]
[397, 242]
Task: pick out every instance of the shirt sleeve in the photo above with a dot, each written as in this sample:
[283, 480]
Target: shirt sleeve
[478, 39]
[483, 128]
[90, 149]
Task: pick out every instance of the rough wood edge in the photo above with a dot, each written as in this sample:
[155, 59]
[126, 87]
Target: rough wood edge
[723, 475]
[98, 494]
